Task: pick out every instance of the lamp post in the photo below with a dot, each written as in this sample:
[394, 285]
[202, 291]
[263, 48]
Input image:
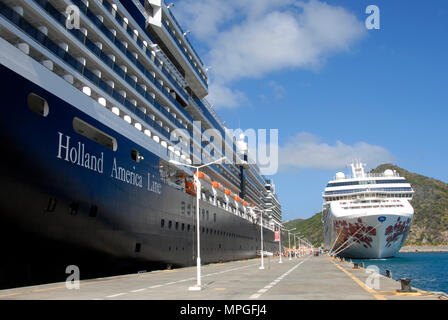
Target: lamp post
[198, 192]
[295, 248]
[261, 235]
[280, 239]
[289, 241]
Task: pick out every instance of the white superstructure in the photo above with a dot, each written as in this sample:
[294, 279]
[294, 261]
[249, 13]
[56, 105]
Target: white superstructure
[366, 215]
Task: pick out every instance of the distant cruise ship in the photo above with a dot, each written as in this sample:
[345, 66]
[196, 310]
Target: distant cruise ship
[366, 215]
[92, 116]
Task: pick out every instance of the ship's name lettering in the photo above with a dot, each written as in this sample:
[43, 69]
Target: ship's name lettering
[77, 154]
[126, 175]
[153, 185]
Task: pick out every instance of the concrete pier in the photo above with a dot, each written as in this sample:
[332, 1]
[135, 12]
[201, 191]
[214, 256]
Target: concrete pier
[305, 278]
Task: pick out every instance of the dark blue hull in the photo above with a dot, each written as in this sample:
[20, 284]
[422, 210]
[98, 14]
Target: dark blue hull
[61, 193]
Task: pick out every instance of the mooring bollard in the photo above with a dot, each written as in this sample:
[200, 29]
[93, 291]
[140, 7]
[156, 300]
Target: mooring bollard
[406, 285]
[388, 274]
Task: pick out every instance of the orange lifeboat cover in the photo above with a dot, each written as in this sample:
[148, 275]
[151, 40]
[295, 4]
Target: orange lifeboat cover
[200, 175]
[237, 198]
[245, 203]
[227, 191]
[215, 184]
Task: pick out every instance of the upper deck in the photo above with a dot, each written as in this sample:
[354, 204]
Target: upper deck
[361, 184]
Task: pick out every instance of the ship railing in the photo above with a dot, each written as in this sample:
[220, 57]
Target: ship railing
[186, 39]
[129, 30]
[181, 49]
[94, 19]
[76, 65]
[115, 67]
[370, 175]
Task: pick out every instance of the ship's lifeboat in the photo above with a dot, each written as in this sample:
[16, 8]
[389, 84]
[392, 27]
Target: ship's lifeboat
[190, 188]
[237, 199]
[203, 176]
[206, 182]
[219, 190]
[245, 203]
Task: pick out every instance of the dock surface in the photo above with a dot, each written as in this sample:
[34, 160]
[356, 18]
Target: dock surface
[305, 278]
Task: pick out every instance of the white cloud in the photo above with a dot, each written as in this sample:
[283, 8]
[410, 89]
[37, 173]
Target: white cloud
[220, 96]
[307, 151]
[278, 90]
[253, 38]
[203, 17]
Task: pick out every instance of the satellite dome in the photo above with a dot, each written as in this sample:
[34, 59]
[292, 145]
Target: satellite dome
[340, 176]
[388, 173]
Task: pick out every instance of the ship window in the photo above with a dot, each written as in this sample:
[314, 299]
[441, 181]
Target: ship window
[207, 215]
[188, 227]
[189, 209]
[214, 217]
[138, 247]
[93, 211]
[135, 155]
[38, 105]
[203, 214]
[177, 225]
[182, 208]
[183, 226]
[73, 209]
[51, 206]
[94, 134]
[170, 223]
[162, 223]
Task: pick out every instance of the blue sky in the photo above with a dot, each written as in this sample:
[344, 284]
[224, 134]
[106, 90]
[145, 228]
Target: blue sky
[333, 89]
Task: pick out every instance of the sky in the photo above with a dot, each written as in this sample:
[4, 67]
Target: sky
[333, 88]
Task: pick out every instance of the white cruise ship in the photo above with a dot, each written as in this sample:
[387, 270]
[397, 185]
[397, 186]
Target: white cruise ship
[366, 215]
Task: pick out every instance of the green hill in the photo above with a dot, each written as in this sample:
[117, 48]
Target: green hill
[430, 202]
[311, 228]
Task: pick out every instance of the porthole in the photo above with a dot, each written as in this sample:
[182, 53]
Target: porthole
[93, 211]
[51, 205]
[135, 155]
[94, 134]
[38, 105]
[73, 209]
